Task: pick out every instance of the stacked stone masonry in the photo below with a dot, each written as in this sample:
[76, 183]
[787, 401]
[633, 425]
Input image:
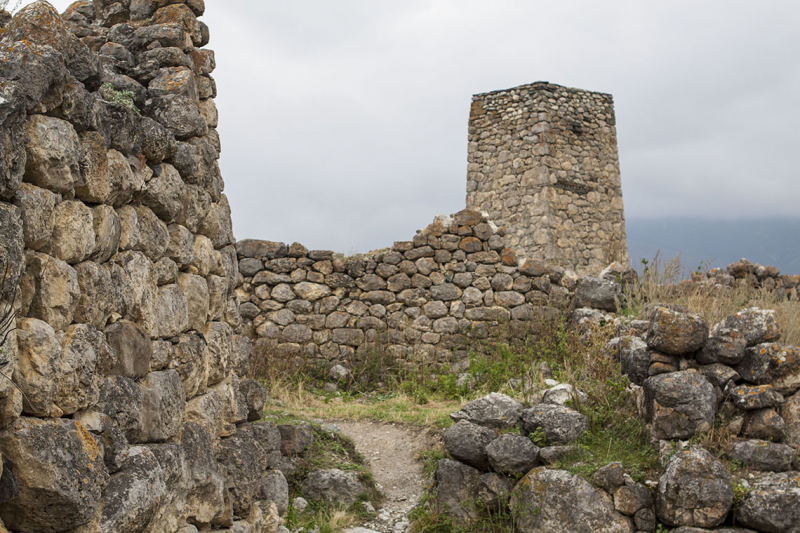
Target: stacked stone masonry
[422, 300]
[543, 163]
[128, 410]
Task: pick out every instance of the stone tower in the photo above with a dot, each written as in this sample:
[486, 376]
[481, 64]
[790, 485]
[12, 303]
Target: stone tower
[543, 163]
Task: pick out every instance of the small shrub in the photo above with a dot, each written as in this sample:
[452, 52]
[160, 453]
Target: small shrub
[126, 98]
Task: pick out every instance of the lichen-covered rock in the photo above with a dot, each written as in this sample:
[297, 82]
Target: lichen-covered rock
[195, 289]
[631, 497]
[773, 504]
[58, 472]
[757, 325]
[512, 454]
[695, 490]
[191, 357]
[455, 490]
[53, 152]
[333, 486]
[39, 71]
[778, 364]
[764, 424]
[38, 366]
[610, 477]
[172, 311]
[493, 411]
[255, 396]
[555, 501]
[757, 397]
[762, 455]
[560, 424]
[676, 333]
[12, 136]
[791, 416]
[467, 442]
[273, 487]
[679, 404]
[240, 459]
[107, 232]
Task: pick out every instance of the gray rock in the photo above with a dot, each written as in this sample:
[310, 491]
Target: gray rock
[493, 491]
[764, 424]
[295, 438]
[724, 345]
[241, 459]
[274, 488]
[493, 411]
[634, 358]
[134, 494]
[255, 395]
[762, 455]
[555, 501]
[57, 290]
[791, 416]
[676, 333]
[597, 293]
[773, 505]
[36, 207]
[333, 486]
[131, 348]
[777, 364]
[610, 477]
[58, 472]
[179, 114]
[163, 403]
[719, 375]
[561, 425]
[679, 404]
[38, 366]
[467, 442]
[122, 400]
[512, 454]
[455, 490]
[164, 193]
[757, 325]
[631, 497]
[206, 498]
[695, 490]
[85, 356]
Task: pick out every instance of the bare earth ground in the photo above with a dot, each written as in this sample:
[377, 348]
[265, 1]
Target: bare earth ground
[391, 453]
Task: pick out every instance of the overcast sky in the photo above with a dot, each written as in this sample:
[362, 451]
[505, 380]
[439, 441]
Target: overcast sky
[344, 124]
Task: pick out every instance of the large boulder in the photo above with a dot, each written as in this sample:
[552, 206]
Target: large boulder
[695, 490]
[493, 411]
[206, 495]
[676, 333]
[58, 473]
[455, 490]
[560, 424]
[679, 404]
[333, 486]
[555, 501]
[634, 358]
[122, 399]
[724, 345]
[85, 354]
[467, 442]
[791, 415]
[131, 347]
[241, 459]
[773, 504]
[53, 154]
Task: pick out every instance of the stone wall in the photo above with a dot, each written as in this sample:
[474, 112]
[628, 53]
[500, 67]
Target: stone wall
[543, 163]
[126, 408]
[421, 300]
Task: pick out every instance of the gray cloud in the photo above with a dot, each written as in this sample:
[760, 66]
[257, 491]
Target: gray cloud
[344, 124]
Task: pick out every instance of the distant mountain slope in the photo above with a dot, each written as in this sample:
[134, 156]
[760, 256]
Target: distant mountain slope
[773, 241]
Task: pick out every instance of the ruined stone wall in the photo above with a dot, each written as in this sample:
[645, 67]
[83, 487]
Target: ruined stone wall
[423, 300]
[543, 163]
[126, 406]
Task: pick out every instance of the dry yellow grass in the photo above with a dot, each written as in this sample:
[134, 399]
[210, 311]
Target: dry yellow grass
[665, 282]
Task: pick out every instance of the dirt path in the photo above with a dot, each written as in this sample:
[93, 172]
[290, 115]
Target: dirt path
[391, 451]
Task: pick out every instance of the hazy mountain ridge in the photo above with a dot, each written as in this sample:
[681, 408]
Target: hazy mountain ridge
[716, 243]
